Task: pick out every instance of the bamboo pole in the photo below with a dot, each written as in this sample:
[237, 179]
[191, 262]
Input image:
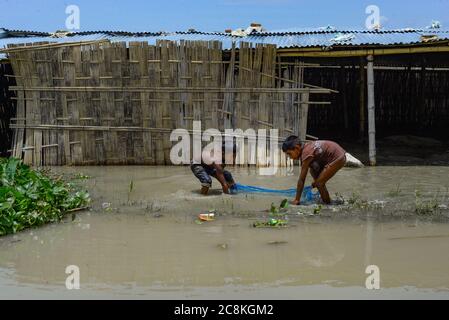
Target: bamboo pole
[371, 111]
[173, 89]
[362, 99]
[304, 111]
[125, 128]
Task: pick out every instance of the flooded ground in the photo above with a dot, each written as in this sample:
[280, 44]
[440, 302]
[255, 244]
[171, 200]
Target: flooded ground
[140, 239]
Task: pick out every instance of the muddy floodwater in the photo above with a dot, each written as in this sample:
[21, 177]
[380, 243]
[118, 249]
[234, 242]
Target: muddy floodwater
[140, 239]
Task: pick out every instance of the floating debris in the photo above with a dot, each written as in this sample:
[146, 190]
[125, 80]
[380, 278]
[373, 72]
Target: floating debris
[106, 205]
[210, 216]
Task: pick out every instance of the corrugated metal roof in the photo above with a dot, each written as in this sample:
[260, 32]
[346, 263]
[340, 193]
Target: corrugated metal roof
[289, 38]
[312, 37]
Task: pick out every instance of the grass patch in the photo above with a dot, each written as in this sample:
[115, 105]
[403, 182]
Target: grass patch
[30, 198]
[426, 207]
[395, 192]
[356, 202]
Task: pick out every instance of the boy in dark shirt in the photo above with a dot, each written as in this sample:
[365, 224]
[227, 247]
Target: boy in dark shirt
[323, 157]
[204, 171]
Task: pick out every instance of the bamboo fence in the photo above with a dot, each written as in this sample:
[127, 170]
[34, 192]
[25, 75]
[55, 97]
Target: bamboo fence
[113, 103]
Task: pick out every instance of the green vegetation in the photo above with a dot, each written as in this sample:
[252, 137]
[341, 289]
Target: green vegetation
[30, 198]
[271, 223]
[356, 202]
[317, 209]
[275, 211]
[426, 207]
[277, 215]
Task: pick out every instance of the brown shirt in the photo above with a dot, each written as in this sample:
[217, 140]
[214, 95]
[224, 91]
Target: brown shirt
[322, 151]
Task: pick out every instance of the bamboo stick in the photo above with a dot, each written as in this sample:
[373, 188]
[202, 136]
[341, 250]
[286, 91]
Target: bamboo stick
[174, 89]
[371, 112]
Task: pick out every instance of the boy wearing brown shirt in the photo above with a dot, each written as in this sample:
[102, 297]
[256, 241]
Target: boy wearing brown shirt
[323, 157]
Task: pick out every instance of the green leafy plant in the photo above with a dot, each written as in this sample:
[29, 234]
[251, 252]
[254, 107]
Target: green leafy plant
[30, 198]
[317, 209]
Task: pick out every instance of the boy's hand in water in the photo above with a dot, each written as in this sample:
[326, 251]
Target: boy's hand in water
[233, 189]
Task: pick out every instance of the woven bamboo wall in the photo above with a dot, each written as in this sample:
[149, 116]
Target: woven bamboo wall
[104, 103]
[7, 108]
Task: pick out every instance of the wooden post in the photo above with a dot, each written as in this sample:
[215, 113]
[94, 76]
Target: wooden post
[342, 90]
[303, 113]
[362, 88]
[371, 112]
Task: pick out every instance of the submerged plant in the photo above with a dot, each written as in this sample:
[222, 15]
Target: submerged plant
[30, 198]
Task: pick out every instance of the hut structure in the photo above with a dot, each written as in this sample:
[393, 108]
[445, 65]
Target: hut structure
[110, 95]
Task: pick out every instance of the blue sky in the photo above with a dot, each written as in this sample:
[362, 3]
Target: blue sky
[178, 15]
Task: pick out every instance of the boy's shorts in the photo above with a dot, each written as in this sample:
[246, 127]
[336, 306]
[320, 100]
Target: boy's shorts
[204, 175]
[316, 168]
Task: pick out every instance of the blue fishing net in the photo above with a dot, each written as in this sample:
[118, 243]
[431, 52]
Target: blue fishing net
[307, 197]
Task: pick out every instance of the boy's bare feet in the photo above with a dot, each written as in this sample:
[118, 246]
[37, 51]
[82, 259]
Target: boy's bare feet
[204, 190]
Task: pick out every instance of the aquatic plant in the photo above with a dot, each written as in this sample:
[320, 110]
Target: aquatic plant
[279, 211]
[130, 189]
[425, 207]
[356, 202]
[271, 223]
[395, 192]
[81, 176]
[30, 198]
[354, 199]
